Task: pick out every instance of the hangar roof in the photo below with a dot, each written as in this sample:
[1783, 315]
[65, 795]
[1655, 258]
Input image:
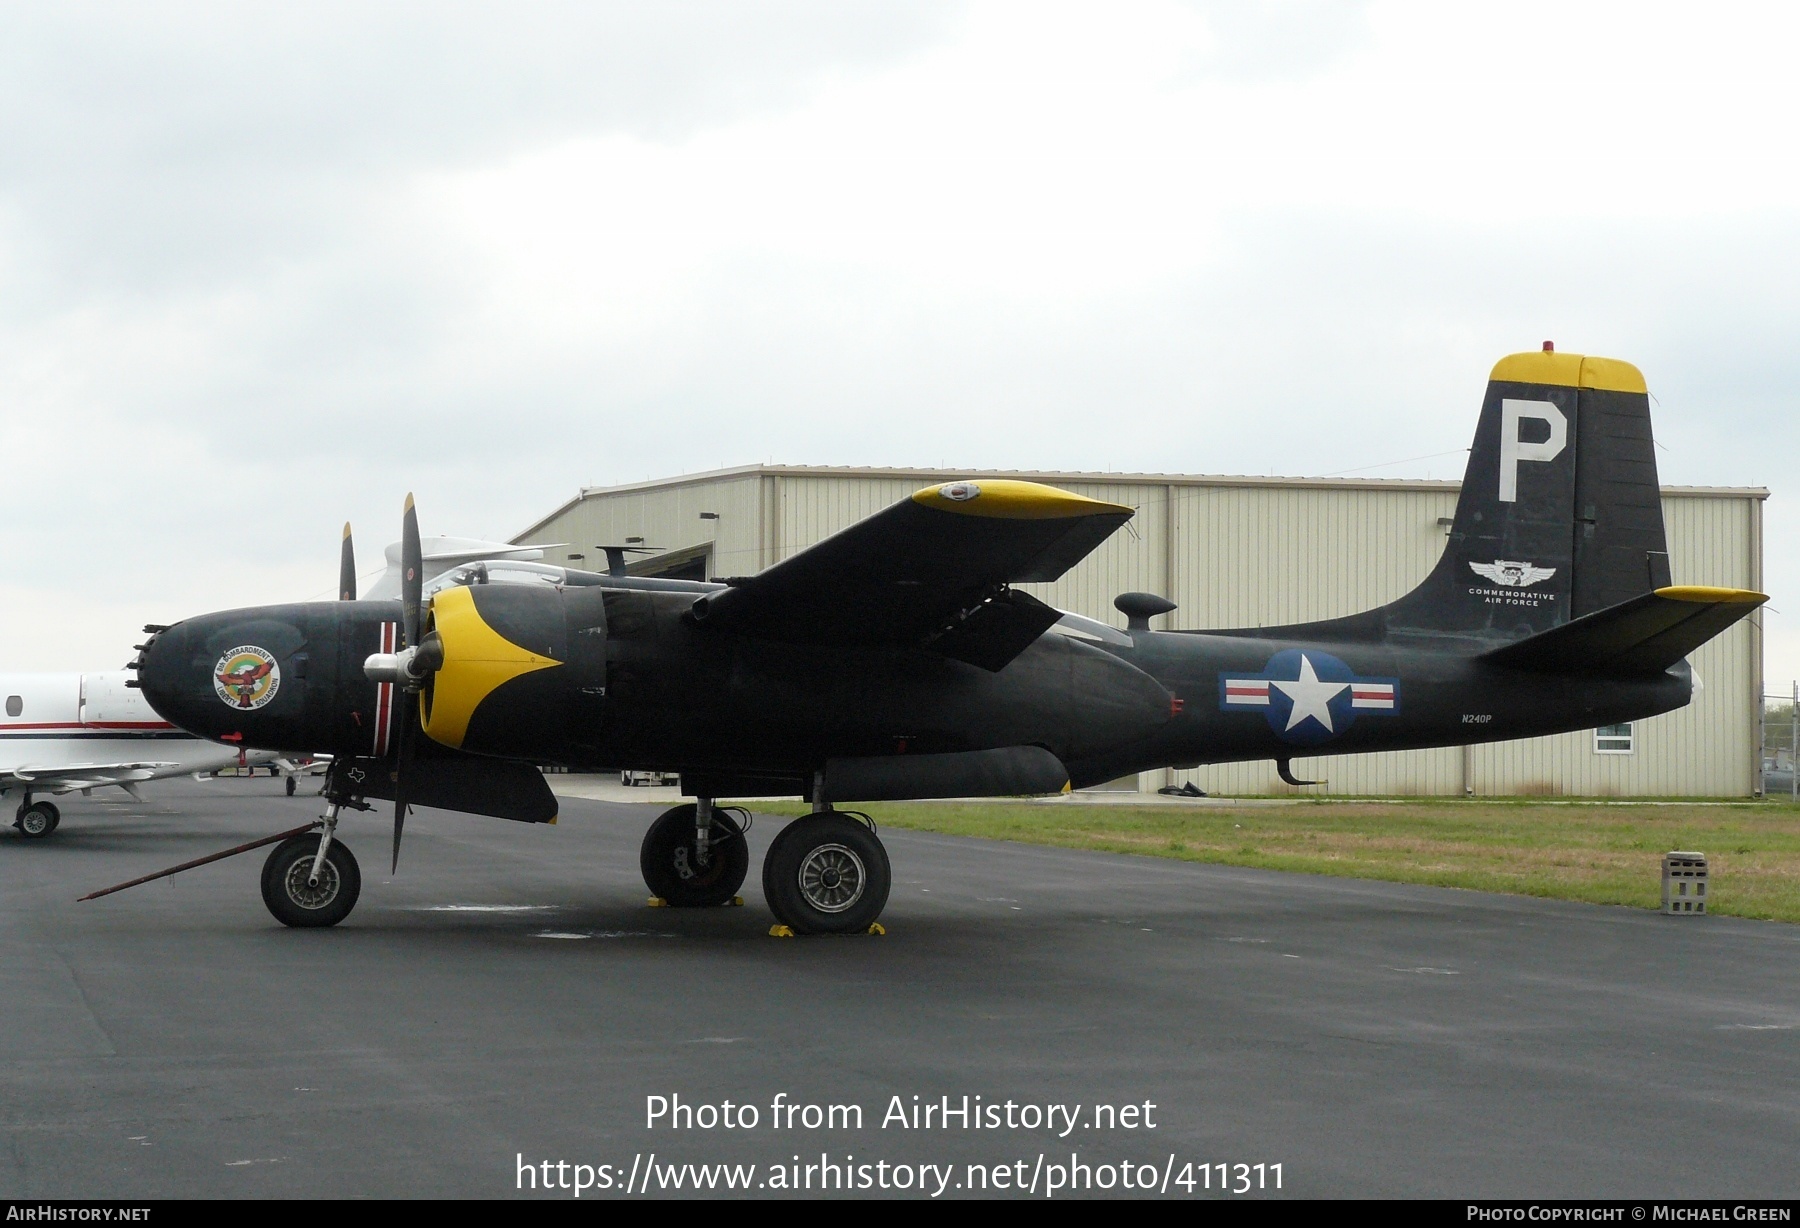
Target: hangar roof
[1053, 476]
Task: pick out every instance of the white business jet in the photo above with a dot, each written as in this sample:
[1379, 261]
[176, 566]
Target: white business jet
[67, 732]
[63, 732]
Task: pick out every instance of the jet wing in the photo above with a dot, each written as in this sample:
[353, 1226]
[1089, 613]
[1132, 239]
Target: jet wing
[64, 777]
[931, 571]
[1646, 634]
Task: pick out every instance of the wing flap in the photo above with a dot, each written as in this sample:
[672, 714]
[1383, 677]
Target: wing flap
[1646, 634]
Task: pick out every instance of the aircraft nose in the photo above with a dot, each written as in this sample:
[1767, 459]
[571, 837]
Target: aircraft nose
[235, 677]
[172, 679]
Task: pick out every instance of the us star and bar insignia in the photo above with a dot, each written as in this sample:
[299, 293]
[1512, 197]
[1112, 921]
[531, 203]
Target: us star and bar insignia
[1308, 697]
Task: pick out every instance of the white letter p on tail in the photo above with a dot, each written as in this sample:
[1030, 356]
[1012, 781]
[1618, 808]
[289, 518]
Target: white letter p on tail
[1513, 449]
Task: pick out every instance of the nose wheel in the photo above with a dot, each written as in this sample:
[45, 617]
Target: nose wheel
[683, 872]
[827, 873]
[306, 891]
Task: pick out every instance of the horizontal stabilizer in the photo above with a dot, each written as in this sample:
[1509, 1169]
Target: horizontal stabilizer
[1644, 635]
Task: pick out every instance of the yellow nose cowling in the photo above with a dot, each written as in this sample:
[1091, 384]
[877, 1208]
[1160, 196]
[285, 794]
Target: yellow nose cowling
[478, 660]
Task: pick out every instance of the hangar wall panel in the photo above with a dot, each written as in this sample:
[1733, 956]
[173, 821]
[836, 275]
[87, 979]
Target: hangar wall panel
[664, 516]
[1266, 552]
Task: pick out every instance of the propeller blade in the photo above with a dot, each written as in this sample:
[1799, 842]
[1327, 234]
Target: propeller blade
[412, 577]
[400, 773]
[347, 568]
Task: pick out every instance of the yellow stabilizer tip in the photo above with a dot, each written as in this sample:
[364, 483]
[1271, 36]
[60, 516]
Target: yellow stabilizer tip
[553, 819]
[737, 901]
[780, 931]
[1707, 595]
[656, 901]
[877, 929]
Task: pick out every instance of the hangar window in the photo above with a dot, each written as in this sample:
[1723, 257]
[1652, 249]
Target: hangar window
[14, 705]
[1613, 740]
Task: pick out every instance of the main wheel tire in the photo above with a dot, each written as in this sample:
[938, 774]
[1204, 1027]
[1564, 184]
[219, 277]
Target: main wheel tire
[670, 860]
[294, 900]
[37, 820]
[290, 786]
[827, 874]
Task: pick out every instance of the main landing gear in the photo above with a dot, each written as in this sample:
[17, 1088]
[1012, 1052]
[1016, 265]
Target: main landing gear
[696, 856]
[312, 880]
[36, 820]
[825, 873]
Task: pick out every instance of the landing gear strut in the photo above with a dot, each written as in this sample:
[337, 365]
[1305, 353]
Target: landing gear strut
[36, 820]
[827, 873]
[695, 856]
[312, 881]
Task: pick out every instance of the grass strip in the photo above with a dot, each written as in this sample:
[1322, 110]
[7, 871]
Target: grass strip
[1595, 852]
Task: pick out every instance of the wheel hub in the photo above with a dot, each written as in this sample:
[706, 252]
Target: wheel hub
[33, 822]
[832, 878]
[307, 894]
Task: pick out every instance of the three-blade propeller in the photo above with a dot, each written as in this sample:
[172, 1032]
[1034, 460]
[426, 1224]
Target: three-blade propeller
[418, 658]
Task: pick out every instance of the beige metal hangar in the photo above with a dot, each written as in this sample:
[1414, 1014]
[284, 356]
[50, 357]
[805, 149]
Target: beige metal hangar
[1237, 552]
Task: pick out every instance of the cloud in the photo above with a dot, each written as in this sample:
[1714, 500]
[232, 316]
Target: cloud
[270, 268]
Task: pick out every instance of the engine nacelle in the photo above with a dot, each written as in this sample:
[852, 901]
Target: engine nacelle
[521, 667]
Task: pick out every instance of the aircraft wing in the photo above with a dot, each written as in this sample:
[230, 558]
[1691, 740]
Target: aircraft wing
[1646, 634]
[62, 777]
[930, 571]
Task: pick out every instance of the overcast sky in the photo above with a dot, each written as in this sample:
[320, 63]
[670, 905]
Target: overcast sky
[264, 268]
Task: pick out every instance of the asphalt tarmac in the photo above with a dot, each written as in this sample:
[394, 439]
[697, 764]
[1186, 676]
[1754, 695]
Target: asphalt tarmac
[509, 1000]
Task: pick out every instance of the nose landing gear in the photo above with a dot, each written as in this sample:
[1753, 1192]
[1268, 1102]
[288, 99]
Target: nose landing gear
[307, 891]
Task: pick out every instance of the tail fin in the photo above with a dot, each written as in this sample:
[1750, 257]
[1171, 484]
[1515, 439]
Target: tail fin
[1560, 513]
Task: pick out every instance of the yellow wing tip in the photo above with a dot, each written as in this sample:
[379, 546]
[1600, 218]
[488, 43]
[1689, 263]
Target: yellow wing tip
[1013, 499]
[1704, 594]
[409, 503]
[346, 529]
[1569, 371]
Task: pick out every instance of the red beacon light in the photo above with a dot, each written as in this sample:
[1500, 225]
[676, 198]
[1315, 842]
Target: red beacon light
[1549, 347]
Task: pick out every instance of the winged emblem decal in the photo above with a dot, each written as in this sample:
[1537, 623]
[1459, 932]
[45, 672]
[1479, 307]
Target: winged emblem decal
[1511, 574]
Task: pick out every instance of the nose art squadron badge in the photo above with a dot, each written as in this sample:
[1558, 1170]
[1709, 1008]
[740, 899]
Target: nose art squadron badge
[246, 677]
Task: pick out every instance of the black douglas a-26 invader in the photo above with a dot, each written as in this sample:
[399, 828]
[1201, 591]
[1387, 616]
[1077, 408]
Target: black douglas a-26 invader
[896, 660]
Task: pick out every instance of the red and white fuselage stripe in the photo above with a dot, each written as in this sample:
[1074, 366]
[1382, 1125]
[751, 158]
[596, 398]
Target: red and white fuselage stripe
[1248, 691]
[384, 694]
[1372, 695]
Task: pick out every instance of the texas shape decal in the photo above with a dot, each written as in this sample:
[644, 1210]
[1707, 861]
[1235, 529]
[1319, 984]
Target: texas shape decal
[1308, 697]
